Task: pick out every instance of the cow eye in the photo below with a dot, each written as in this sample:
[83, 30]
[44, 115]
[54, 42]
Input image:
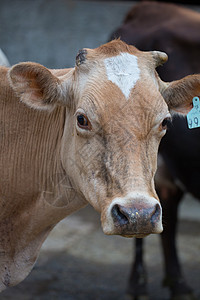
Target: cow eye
[166, 122]
[83, 122]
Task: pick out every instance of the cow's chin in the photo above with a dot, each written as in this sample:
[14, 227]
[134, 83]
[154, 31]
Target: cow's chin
[137, 235]
[132, 235]
[129, 232]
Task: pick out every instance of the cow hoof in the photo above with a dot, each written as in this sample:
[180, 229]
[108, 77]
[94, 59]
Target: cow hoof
[179, 288]
[138, 297]
[184, 297]
[141, 297]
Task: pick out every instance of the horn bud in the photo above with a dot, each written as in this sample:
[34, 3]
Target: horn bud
[81, 57]
[159, 57]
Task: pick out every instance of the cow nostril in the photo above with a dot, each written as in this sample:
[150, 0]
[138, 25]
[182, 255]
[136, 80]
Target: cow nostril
[156, 214]
[118, 217]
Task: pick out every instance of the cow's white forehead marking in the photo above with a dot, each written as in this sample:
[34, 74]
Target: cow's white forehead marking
[123, 71]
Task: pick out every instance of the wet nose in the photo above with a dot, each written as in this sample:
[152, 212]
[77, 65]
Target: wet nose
[136, 220]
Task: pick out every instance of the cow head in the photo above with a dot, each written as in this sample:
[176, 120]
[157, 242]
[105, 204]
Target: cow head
[117, 110]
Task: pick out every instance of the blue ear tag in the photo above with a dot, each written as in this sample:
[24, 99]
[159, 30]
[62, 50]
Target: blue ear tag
[193, 117]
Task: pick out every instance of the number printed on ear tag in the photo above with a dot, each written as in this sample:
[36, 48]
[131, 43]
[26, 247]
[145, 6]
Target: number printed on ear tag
[193, 117]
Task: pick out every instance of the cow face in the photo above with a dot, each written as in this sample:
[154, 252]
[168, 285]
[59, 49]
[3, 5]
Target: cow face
[115, 137]
[115, 118]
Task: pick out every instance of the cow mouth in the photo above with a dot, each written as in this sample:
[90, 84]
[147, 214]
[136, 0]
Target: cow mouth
[130, 231]
[135, 235]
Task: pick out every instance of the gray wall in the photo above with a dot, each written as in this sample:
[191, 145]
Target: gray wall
[52, 31]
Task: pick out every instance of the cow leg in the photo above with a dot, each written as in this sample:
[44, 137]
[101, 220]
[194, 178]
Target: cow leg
[137, 286]
[170, 199]
[173, 274]
[170, 196]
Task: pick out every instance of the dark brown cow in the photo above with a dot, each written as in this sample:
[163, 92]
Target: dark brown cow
[176, 31]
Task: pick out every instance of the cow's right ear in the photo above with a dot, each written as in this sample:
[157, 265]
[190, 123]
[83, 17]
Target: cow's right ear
[179, 94]
[38, 87]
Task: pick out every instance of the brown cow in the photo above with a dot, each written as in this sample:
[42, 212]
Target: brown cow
[91, 135]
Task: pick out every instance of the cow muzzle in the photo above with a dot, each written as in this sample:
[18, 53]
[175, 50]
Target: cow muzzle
[135, 215]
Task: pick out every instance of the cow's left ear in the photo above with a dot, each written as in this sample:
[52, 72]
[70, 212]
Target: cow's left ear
[37, 86]
[179, 94]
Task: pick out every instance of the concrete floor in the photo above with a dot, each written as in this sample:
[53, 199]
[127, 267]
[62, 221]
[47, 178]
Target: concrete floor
[78, 262]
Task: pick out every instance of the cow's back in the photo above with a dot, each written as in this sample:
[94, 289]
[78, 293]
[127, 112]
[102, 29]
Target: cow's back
[165, 27]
